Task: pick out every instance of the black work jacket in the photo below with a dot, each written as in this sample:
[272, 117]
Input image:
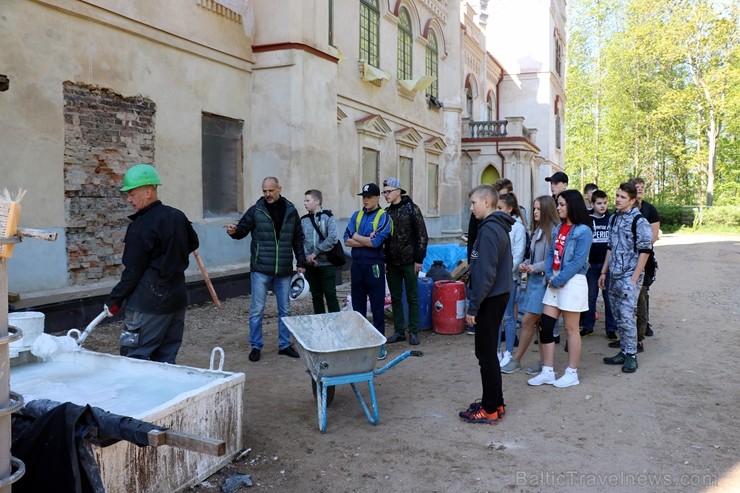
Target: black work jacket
[158, 242]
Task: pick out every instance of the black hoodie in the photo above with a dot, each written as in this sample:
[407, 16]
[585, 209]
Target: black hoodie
[491, 255]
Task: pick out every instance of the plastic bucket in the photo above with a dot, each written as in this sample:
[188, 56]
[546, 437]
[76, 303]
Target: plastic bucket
[32, 325]
[448, 307]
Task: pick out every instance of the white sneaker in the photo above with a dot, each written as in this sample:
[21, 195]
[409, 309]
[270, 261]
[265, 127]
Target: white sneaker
[505, 359]
[500, 356]
[569, 378]
[546, 376]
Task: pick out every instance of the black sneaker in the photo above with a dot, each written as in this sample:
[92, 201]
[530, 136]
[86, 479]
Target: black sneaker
[611, 335]
[557, 339]
[254, 355]
[649, 331]
[616, 360]
[586, 332]
[630, 363]
[396, 337]
[414, 339]
[614, 344]
[640, 347]
[290, 352]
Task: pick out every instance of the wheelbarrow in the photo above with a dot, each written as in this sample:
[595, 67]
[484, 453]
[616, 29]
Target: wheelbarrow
[340, 348]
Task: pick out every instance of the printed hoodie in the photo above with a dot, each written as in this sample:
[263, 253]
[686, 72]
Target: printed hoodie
[490, 260]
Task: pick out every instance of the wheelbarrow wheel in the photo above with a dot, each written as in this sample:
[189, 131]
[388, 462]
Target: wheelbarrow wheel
[329, 392]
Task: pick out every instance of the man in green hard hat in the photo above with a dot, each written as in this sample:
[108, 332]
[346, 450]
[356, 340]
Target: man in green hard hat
[158, 243]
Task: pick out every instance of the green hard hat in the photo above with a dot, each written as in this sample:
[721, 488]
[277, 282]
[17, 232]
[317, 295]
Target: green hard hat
[140, 175]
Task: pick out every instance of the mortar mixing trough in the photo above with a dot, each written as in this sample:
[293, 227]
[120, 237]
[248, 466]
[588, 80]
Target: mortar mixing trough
[340, 348]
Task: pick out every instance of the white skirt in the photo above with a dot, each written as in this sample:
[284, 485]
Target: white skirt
[573, 297]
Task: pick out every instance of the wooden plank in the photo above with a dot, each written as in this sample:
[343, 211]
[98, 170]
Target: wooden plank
[187, 441]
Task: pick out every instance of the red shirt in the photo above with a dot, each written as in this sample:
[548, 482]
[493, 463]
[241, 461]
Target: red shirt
[560, 245]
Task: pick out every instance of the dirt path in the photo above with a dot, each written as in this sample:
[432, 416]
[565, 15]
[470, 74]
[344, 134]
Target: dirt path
[672, 426]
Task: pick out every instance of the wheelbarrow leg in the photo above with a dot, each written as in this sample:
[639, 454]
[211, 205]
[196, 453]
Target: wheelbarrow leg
[375, 417]
[321, 404]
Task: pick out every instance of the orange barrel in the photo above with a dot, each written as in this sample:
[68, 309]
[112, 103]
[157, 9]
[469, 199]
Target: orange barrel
[448, 307]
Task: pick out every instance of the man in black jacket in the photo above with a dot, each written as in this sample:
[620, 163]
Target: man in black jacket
[276, 236]
[155, 257]
[405, 250]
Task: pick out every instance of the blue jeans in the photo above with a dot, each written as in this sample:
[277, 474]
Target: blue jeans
[281, 287]
[368, 281]
[509, 320]
[588, 318]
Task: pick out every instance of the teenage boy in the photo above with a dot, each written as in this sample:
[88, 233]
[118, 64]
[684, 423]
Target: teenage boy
[319, 236]
[366, 232]
[600, 220]
[404, 253]
[626, 255]
[489, 285]
[588, 190]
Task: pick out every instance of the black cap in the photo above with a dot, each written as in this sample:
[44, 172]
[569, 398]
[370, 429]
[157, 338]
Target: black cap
[558, 177]
[370, 190]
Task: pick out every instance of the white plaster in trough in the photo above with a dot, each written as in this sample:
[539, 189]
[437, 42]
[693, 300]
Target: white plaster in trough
[192, 400]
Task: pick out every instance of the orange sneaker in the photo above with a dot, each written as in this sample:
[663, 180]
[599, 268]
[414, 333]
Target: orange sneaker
[501, 411]
[479, 416]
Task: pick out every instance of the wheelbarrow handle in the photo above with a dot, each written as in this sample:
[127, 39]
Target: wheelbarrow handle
[397, 360]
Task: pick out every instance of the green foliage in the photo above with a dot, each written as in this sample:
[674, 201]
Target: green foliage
[653, 90]
[723, 217]
[674, 215]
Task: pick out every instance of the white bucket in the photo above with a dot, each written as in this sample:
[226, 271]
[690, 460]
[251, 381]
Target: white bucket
[32, 325]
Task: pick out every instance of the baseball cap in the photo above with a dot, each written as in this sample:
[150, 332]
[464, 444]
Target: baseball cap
[558, 177]
[394, 183]
[370, 190]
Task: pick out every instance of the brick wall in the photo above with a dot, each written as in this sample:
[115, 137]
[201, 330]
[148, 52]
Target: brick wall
[104, 134]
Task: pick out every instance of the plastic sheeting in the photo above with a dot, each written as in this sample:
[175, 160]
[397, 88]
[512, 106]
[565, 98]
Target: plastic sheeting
[450, 254]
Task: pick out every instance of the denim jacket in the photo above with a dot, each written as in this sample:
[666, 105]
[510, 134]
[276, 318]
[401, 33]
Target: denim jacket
[575, 256]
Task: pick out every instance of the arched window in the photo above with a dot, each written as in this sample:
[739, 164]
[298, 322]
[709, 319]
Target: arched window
[432, 64]
[404, 45]
[469, 98]
[489, 107]
[370, 32]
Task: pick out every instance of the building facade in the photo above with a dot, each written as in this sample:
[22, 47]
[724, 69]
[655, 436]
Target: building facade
[218, 94]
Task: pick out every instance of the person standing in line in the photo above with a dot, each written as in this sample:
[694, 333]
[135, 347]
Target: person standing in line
[489, 286]
[626, 256]
[158, 243]
[518, 237]
[558, 183]
[405, 250]
[276, 232]
[546, 219]
[589, 189]
[650, 213]
[567, 289]
[320, 236]
[367, 231]
[600, 220]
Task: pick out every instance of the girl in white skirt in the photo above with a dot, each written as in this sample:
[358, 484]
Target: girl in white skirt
[566, 265]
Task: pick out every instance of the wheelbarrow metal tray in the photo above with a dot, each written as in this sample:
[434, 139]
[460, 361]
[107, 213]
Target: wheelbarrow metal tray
[333, 344]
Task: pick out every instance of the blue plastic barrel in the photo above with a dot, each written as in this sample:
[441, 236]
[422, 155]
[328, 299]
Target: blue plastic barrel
[425, 288]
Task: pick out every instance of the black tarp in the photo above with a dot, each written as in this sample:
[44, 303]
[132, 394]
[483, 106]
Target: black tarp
[53, 440]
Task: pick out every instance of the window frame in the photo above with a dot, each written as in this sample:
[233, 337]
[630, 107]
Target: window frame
[370, 32]
[217, 202]
[431, 63]
[404, 50]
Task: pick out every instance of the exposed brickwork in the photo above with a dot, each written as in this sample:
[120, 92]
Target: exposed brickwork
[104, 134]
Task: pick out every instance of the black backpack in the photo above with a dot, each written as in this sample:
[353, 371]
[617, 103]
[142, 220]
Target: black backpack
[651, 266]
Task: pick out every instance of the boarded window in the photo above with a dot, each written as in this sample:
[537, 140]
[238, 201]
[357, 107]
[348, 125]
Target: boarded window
[406, 173]
[221, 166]
[433, 189]
[370, 171]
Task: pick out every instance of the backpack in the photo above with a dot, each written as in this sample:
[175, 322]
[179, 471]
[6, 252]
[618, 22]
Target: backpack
[651, 266]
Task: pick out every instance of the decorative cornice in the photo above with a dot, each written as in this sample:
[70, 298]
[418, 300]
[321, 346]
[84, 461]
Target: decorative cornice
[373, 125]
[294, 46]
[408, 136]
[341, 115]
[435, 145]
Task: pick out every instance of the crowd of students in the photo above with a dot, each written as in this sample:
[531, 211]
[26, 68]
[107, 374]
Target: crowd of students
[576, 249]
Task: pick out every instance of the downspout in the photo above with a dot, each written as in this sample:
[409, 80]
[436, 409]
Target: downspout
[498, 117]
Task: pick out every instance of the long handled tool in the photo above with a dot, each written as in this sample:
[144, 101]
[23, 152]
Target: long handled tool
[207, 279]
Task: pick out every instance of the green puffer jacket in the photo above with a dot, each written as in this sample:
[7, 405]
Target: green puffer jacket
[272, 252]
[408, 243]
